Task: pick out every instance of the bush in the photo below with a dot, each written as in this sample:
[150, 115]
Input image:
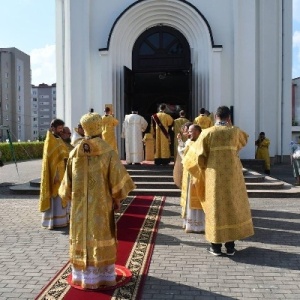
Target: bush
[22, 150]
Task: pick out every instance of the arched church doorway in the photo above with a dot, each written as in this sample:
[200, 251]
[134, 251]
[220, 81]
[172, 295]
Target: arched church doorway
[161, 73]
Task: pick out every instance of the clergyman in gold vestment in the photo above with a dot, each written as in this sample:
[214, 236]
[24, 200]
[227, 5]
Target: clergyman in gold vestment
[55, 155]
[226, 205]
[161, 123]
[109, 122]
[95, 182]
[177, 128]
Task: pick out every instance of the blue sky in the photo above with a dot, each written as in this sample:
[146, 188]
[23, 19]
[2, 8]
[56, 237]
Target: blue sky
[29, 25]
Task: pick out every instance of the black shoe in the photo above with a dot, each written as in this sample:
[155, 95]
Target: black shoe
[230, 252]
[214, 252]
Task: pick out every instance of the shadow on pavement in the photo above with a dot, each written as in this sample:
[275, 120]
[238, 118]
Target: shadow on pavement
[268, 257]
[173, 290]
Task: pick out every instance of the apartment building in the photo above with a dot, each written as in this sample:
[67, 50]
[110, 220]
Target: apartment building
[296, 109]
[15, 94]
[43, 108]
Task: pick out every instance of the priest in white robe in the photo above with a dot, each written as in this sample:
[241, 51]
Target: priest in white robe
[133, 127]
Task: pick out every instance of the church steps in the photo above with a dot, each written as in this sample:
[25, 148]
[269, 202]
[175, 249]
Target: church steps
[158, 180]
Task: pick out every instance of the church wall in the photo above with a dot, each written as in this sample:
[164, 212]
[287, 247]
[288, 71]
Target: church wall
[245, 72]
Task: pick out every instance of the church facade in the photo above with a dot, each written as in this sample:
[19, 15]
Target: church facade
[187, 54]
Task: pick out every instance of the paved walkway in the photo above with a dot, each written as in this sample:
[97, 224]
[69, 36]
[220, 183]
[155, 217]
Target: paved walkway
[266, 265]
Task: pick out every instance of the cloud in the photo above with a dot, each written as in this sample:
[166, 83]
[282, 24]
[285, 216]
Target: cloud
[296, 10]
[43, 65]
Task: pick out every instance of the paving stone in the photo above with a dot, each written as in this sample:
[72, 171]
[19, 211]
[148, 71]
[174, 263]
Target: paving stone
[265, 266]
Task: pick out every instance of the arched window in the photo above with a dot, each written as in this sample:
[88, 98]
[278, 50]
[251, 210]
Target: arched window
[161, 48]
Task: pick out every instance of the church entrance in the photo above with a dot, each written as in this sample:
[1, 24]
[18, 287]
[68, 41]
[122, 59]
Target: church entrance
[161, 73]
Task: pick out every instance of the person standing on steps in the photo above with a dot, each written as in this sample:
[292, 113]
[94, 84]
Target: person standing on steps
[203, 120]
[262, 151]
[109, 122]
[226, 205]
[161, 122]
[177, 128]
[132, 131]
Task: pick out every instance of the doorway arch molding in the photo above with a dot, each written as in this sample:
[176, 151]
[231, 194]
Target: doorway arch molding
[142, 15]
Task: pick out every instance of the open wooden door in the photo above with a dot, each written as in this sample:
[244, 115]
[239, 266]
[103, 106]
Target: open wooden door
[128, 89]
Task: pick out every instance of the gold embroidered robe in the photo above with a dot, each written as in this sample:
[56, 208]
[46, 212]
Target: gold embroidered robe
[94, 178]
[108, 130]
[203, 121]
[226, 205]
[162, 144]
[177, 129]
[193, 186]
[262, 152]
[55, 154]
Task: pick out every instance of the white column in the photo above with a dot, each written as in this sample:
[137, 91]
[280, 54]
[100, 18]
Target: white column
[75, 61]
[244, 80]
[215, 94]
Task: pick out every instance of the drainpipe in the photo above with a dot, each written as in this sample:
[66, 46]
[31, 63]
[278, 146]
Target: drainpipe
[282, 78]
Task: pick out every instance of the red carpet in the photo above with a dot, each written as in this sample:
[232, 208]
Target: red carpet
[137, 225]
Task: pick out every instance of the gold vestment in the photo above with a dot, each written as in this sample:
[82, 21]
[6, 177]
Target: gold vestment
[193, 186]
[203, 121]
[55, 154]
[226, 205]
[262, 152]
[162, 143]
[94, 178]
[108, 130]
[177, 129]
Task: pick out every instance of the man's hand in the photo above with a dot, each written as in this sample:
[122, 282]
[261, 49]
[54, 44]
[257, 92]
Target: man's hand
[116, 205]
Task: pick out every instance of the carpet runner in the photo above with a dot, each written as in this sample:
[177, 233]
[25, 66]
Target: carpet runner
[137, 224]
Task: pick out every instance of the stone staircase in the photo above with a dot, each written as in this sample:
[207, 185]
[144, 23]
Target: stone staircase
[158, 180]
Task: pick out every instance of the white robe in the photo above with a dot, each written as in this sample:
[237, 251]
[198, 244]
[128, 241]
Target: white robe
[133, 127]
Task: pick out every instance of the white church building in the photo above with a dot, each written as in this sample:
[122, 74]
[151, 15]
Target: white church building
[187, 54]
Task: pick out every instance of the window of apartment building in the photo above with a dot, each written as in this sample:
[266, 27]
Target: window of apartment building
[34, 119]
[19, 68]
[6, 106]
[6, 97]
[34, 92]
[44, 96]
[19, 118]
[20, 108]
[6, 75]
[6, 85]
[44, 116]
[6, 118]
[19, 127]
[44, 109]
[34, 99]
